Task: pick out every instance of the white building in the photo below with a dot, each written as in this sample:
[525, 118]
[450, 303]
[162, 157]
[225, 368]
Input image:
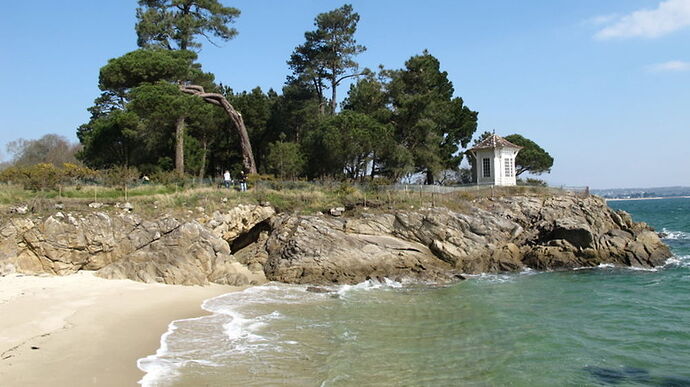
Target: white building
[495, 161]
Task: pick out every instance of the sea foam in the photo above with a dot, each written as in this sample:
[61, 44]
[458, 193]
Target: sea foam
[674, 235]
[240, 321]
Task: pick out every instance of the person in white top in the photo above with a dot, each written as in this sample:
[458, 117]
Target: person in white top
[227, 179]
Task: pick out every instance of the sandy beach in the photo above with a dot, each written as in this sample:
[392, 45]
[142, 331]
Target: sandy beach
[81, 330]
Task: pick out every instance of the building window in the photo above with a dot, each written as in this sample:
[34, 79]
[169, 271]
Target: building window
[509, 168]
[486, 167]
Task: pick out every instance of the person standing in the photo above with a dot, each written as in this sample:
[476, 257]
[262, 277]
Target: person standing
[227, 179]
[243, 182]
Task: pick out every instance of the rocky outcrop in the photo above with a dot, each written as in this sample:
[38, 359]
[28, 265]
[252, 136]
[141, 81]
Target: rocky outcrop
[241, 245]
[122, 246]
[320, 250]
[495, 235]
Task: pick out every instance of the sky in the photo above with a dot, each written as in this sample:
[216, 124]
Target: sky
[602, 85]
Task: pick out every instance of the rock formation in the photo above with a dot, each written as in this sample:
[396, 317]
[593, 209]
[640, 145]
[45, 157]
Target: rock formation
[495, 235]
[239, 246]
[125, 246]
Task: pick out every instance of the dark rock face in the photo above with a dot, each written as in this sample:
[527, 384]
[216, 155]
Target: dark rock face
[498, 235]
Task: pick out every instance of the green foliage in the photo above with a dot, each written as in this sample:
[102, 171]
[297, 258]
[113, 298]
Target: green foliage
[346, 143]
[429, 121]
[328, 52]
[42, 176]
[146, 66]
[121, 176]
[46, 176]
[532, 158]
[393, 124]
[111, 140]
[285, 159]
[535, 182]
[167, 178]
[368, 96]
[177, 23]
[258, 109]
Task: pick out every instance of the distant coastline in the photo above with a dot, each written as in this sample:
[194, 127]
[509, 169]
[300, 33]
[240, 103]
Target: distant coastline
[649, 198]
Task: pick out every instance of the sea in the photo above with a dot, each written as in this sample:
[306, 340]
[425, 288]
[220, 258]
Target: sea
[590, 327]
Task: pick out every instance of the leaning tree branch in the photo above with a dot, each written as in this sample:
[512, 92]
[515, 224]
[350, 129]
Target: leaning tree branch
[337, 82]
[219, 100]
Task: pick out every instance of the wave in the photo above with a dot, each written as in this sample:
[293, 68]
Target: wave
[237, 327]
[157, 367]
[674, 235]
[678, 261]
[502, 277]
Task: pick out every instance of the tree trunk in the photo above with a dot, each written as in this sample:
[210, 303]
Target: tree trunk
[179, 145]
[334, 83]
[248, 163]
[373, 165]
[204, 153]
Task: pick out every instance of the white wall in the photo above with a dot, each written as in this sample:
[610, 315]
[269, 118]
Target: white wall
[497, 158]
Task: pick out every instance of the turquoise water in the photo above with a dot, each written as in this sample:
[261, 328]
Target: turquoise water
[604, 326]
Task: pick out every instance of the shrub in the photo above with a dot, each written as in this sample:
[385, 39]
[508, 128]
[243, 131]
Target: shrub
[168, 178]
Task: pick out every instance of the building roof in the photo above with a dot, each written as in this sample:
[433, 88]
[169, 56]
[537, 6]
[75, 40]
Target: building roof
[495, 141]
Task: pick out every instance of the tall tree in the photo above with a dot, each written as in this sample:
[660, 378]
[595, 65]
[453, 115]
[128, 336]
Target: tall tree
[327, 55]
[532, 158]
[431, 123]
[368, 97]
[155, 70]
[176, 24]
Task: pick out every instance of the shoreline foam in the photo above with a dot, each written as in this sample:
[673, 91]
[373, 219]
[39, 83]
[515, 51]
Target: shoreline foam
[83, 330]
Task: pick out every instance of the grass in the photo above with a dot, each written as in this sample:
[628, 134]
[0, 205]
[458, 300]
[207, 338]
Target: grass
[156, 200]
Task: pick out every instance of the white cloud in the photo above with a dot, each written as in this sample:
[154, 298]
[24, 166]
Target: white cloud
[669, 16]
[670, 66]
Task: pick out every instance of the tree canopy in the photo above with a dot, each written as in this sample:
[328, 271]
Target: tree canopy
[327, 55]
[430, 122]
[159, 110]
[532, 158]
[177, 24]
